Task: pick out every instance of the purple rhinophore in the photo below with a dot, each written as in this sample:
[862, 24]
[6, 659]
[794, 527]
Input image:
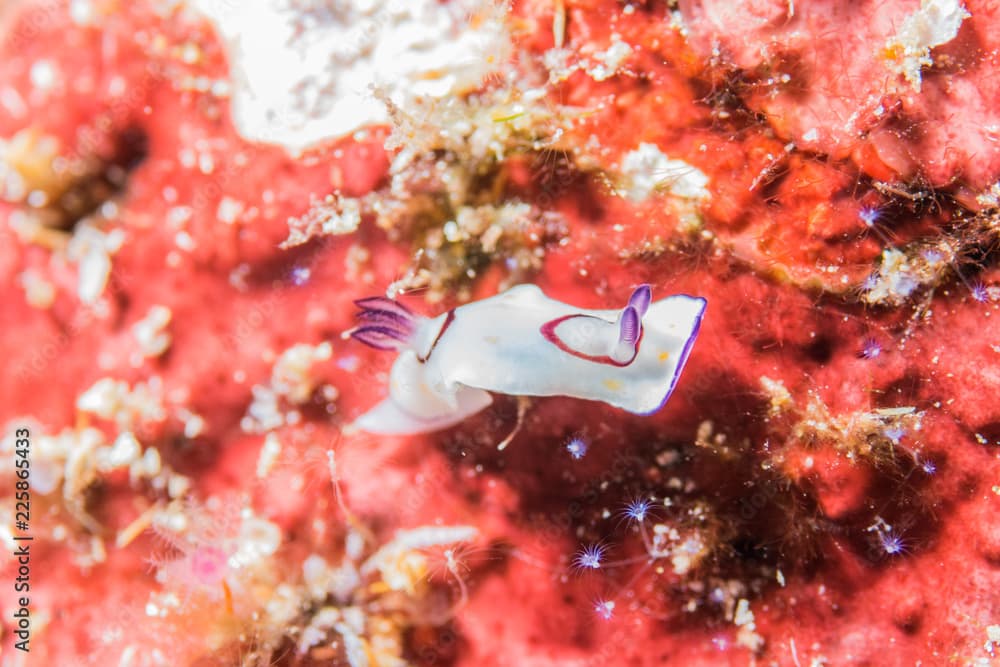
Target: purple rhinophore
[383, 303]
[386, 318]
[630, 326]
[385, 324]
[381, 338]
[641, 298]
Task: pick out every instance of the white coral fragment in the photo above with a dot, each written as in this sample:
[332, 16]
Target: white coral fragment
[292, 373]
[936, 22]
[400, 563]
[292, 383]
[38, 292]
[92, 249]
[333, 215]
[124, 451]
[303, 71]
[258, 539]
[150, 332]
[895, 281]
[647, 170]
[269, 453]
[610, 60]
[114, 400]
[747, 635]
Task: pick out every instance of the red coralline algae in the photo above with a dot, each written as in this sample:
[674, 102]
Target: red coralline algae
[845, 81]
[821, 489]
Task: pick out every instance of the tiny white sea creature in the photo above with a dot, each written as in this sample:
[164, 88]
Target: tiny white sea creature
[523, 343]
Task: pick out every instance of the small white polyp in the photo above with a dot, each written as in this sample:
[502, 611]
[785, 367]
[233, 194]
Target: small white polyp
[523, 343]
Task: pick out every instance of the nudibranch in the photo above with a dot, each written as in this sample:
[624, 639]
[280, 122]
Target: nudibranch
[523, 343]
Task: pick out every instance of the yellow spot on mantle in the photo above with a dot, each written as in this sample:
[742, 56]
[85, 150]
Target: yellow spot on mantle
[664, 356]
[492, 340]
[613, 385]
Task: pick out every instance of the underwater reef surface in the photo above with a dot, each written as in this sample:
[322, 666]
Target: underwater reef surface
[194, 194]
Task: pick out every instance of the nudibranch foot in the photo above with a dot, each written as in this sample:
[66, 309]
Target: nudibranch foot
[390, 418]
[523, 343]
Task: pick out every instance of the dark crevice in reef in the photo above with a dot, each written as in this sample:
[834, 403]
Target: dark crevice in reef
[820, 350]
[102, 179]
[988, 435]
[291, 267]
[908, 390]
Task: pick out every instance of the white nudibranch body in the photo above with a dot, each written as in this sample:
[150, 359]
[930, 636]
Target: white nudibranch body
[523, 343]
